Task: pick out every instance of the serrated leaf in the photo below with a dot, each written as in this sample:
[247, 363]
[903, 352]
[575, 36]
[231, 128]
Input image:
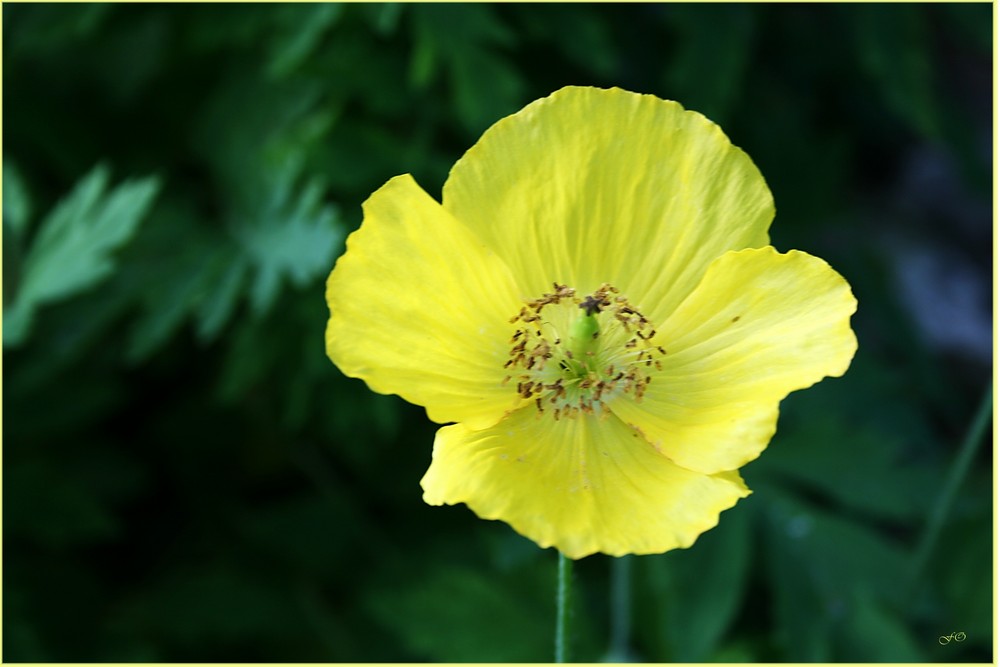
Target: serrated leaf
[295, 239]
[486, 87]
[465, 39]
[71, 331]
[586, 38]
[248, 359]
[168, 305]
[202, 281]
[74, 248]
[219, 303]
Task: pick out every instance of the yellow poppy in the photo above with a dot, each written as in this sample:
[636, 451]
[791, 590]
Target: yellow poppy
[595, 305]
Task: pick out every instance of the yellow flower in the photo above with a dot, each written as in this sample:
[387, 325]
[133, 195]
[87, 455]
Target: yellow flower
[596, 307]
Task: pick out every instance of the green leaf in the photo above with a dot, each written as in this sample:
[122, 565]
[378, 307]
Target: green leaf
[278, 121]
[697, 591]
[584, 37]
[821, 568]
[386, 16]
[74, 248]
[712, 53]
[43, 29]
[872, 633]
[860, 469]
[964, 562]
[295, 237]
[219, 303]
[459, 615]
[873, 463]
[202, 281]
[248, 360]
[423, 63]
[486, 88]
[301, 28]
[199, 278]
[893, 45]
[465, 40]
[16, 201]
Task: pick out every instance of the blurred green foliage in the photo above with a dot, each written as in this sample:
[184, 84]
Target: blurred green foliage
[186, 477]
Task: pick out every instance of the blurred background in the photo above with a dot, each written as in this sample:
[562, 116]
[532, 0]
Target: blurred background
[186, 477]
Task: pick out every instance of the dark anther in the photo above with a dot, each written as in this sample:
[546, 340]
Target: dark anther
[591, 305]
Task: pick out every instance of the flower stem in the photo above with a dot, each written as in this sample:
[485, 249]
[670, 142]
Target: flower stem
[957, 473]
[562, 608]
[621, 609]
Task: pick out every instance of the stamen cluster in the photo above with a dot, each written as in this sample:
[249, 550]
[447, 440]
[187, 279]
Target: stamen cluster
[570, 379]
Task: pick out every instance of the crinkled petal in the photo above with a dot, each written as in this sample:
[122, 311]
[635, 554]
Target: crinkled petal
[588, 186]
[760, 325]
[583, 485]
[419, 307]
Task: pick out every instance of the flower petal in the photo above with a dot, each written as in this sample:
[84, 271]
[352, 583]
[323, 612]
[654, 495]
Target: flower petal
[588, 186]
[583, 485]
[419, 307]
[760, 325]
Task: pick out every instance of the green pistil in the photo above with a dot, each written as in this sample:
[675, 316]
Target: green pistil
[573, 375]
[582, 341]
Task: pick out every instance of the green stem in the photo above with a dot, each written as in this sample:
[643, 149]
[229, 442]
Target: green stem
[621, 609]
[957, 473]
[562, 608]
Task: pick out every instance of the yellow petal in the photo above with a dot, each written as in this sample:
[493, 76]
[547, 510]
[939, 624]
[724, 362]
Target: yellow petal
[583, 485]
[419, 307]
[760, 325]
[588, 186]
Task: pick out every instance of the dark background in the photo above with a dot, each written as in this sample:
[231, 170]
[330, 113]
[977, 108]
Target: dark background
[186, 477]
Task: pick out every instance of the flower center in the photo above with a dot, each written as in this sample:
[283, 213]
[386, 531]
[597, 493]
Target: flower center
[572, 355]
